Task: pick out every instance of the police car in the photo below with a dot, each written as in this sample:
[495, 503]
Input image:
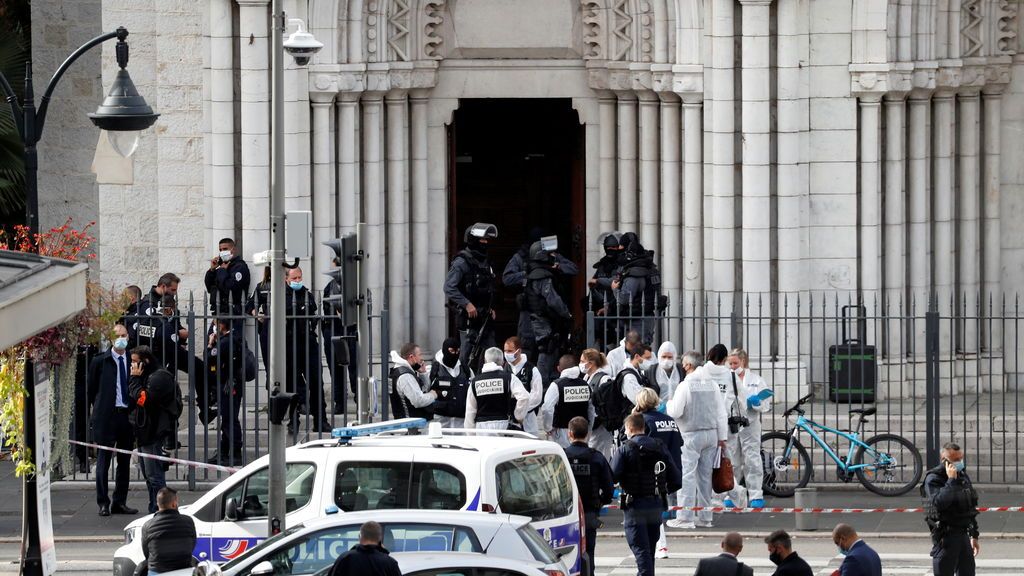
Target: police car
[390, 465]
[311, 547]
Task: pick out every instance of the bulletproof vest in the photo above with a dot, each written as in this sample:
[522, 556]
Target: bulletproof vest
[581, 460]
[493, 393]
[525, 375]
[535, 302]
[451, 390]
[641, 478]
[961, 514]
[478, 281]
[573, 401]
[400, 405]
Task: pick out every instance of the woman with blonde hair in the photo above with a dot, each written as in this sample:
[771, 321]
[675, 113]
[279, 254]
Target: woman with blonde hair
[745, 446]
[663, 427]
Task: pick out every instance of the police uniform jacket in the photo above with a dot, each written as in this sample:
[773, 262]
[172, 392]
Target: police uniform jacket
[228, 286]
[593, 475]
[544, 303]
[470, 279]
[953, 500]
[365, 559]
[627, 462]
[663, 427]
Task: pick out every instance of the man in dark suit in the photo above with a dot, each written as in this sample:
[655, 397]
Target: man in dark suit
[108, 400]
[860, 559]
[781, 553]
[727, 563]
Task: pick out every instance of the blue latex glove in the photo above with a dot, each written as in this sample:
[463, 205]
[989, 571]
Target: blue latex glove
[661, 407]
[753, 402]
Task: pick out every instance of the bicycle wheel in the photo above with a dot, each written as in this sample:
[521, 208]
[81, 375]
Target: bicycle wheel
[783, 474]
[894, 465]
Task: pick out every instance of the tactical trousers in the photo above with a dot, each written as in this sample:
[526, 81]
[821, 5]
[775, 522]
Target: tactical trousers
[593, 521]
[952, 554]
[643, 526]
[466, 339]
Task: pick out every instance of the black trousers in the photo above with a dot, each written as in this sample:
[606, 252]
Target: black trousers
[952, 555]
[593, 521]
[643, 528]
[119, 435]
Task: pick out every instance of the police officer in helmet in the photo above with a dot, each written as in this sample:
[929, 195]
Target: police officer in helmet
[593, 478]
[469, 289]
[647, 473]
[549, 316]
[602, 297]
[952, 514]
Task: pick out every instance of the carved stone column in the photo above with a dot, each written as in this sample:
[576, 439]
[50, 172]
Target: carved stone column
[721, 98]
[254, 62]
[372, 191]
[991, 247]
[220, 185]
[671, 248]
[421, 277]
[348, 171]
[607, 106]
[967, 216]
[396, 244]
[870, 198]
[649, 169]
[627, 160]
[323, 186]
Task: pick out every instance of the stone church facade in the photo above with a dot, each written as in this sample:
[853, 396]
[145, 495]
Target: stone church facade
[863, 147]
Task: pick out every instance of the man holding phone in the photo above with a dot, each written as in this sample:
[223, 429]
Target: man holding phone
[952, 514]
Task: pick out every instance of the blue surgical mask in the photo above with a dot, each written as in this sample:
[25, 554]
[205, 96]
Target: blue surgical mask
[121, 343]
[959, 465]
[842, 550]
[295, 285]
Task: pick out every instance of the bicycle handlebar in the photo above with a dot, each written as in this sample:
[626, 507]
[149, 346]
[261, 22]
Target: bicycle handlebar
[799, 403]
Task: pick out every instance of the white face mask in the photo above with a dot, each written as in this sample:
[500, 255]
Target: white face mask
[225, 255]
[583, 368]
[510, 357]
[666, 365]
[648, 363]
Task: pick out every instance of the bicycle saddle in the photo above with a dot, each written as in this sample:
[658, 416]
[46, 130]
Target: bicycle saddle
[864, 412]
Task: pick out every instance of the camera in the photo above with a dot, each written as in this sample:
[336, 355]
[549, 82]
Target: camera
[301, 44]
[737, 422]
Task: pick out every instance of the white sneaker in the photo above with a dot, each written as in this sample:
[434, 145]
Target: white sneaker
[661, 553]
[680, 524]
[703, 524]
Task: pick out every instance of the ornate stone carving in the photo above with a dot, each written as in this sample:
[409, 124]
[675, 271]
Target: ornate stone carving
[623, 21]
[1006, 25]
[970, 28]
[431, 29]
[646, 32]
[593, 48]
[371, 31]
[399, 21]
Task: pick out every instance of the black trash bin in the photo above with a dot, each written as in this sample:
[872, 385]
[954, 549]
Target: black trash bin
[853, 364]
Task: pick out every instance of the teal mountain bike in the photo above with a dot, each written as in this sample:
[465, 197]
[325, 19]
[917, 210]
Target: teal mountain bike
[886, 464]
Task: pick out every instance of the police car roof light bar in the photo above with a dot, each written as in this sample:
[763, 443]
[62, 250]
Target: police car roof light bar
[407, 424]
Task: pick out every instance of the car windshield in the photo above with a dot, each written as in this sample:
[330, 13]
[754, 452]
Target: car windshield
[263, 546]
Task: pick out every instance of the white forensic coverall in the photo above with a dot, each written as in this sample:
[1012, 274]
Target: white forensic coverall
[745, 447]
[530, 424]
[519, 392]
[699, 411]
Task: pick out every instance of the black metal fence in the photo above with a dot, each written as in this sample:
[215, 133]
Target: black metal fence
[936, 371]
[945, 372]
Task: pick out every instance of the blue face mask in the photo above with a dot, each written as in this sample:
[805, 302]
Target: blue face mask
[842, 550]
[295, 285]
[121, 343]
[959, 465]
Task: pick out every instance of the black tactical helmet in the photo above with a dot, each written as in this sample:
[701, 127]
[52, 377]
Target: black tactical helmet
[609, 240]
[538, 253]
[480, 231]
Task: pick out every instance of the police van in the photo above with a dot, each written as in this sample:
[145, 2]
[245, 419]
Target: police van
[390, 465]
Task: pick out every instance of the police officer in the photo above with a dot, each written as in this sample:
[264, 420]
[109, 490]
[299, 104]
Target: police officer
[601, 294]
[593, 478]
[647, 473]
[514, 277]
[664, 428]
[227, 376]
[450, 381]
[469, 288]
[227, 280]
[567, 398]
[258, 306]
[302, 352]
[549, 316]
[166, 338]
[637, 287]
[408, 398]
[496, 397]
[520, 366]
[952, 509]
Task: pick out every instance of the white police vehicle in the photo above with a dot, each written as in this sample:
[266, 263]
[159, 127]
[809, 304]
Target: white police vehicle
[390, 465]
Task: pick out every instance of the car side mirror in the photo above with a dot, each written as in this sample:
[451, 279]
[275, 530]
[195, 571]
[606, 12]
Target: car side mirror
[262, 569]
[231, 510]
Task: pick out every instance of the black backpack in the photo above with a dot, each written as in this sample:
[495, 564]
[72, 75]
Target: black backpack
[610, 406]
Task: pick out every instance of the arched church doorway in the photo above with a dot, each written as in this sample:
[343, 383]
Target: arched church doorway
[519, 164]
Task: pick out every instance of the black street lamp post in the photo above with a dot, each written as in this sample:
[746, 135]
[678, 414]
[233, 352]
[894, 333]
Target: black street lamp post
[123, 110]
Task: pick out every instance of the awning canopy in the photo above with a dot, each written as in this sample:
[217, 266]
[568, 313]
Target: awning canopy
[36, 293]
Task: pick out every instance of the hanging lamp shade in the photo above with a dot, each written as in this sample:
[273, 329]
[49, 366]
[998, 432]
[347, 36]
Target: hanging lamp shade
[124, 109]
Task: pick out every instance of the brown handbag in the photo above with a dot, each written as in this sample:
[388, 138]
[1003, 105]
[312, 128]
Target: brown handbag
[721, 477]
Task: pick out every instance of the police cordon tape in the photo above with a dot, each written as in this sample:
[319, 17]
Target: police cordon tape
[136, 453]
[720, 509]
